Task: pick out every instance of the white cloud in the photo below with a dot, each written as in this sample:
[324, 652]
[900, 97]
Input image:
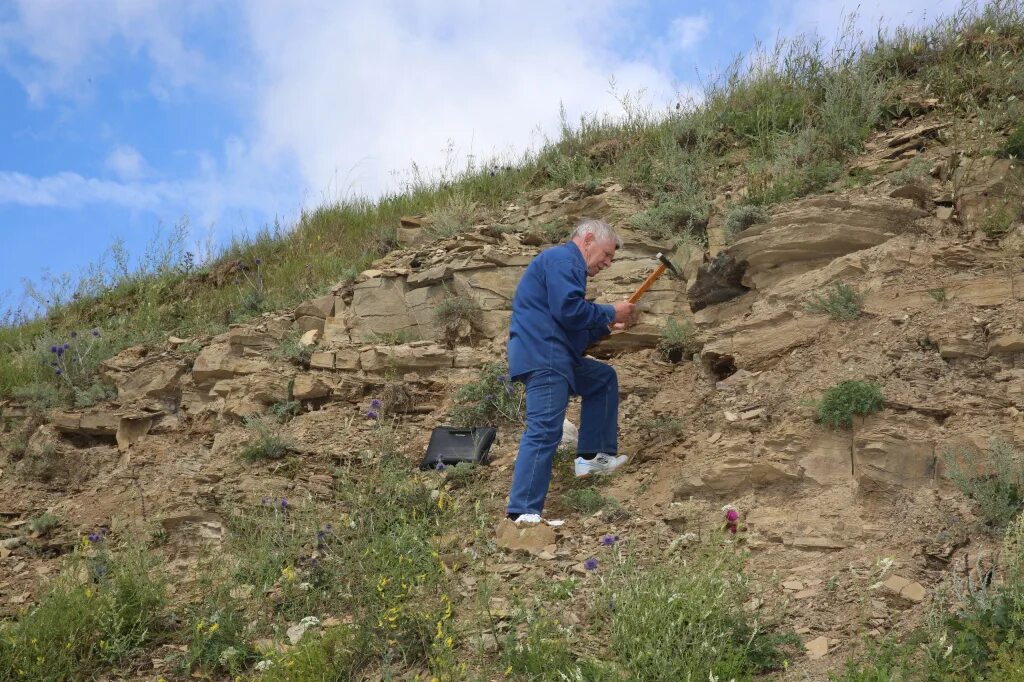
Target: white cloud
[63, 44]
[126, 162]
[686, 32]
[353, 92]
[71, 190]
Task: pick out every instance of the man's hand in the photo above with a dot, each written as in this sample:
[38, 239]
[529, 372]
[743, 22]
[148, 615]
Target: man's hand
[625, 315]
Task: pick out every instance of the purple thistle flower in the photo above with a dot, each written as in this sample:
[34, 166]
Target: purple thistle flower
[440, 466]
[489, 397]
[53, 349]
[57, 371]
[375, 404]
[609, 540]
[96, 332]
[66, 345]
[590, 564]
[731, 515]
[372, 414]
[313, 562]
[284, 503]
[259, 261]
[95, 537]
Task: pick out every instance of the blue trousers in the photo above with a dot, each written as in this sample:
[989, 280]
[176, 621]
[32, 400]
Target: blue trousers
[547, 397]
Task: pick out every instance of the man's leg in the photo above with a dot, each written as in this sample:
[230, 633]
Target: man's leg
[547, 396]
[598, 386]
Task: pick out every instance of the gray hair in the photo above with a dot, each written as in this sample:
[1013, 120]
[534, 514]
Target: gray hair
[599, 228]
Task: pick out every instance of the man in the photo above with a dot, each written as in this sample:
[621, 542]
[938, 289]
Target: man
[552, 325]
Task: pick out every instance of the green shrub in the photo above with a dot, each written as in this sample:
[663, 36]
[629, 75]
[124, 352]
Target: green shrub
[999, 491]
[265, 441]
[741, 217]
[840, 403]
[842, 302]
[938, 295]
[491, 399]
[339, 654]
[103, 609]
[458, 318]
[680, 622]
[678, 340]
[1014, 146]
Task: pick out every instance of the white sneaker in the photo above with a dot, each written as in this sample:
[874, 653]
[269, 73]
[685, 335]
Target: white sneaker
[602, 463]
[528, 518]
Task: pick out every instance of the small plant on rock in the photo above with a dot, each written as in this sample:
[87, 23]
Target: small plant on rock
[265, 442]
[458, 318]
[678, 340]
[741, 217]
[294, 351]
[938, 295]
[840, 403]
[842, 303]
[998, 490]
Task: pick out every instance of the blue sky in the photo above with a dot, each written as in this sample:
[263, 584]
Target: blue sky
[118, 117]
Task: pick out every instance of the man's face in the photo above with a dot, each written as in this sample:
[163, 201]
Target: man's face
[598, 253]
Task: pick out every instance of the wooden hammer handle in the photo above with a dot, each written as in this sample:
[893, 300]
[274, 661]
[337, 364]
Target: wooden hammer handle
[651, 278]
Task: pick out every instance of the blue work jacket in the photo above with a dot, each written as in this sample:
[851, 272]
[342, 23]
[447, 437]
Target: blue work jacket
[552, 321]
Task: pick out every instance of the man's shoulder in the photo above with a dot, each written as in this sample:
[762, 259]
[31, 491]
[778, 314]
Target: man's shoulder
[558, 254]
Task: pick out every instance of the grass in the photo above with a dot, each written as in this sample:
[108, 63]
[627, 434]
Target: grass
[842, 303]
[839, 404]
[687, 621]
[103, 609]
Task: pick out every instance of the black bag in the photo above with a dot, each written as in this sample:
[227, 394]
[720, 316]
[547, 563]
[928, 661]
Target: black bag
[450, 445]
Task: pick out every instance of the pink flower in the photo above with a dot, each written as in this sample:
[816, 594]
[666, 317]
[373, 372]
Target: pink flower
[732, 515]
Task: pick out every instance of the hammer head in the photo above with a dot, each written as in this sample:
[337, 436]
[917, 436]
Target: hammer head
[667, 263]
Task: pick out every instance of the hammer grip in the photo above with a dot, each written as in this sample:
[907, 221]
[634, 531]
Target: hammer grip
[651, 278]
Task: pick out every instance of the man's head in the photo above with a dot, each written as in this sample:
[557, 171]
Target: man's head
[597, 242]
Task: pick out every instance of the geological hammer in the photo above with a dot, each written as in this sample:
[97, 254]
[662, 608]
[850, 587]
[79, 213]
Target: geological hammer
[665, 264]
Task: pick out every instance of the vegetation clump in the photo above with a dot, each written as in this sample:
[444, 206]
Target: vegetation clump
[842, 303]
[265, 441]
[996, 485]
[492, 399]
[458, 318]
[741, 217]
[842, 402]
[678, 340]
